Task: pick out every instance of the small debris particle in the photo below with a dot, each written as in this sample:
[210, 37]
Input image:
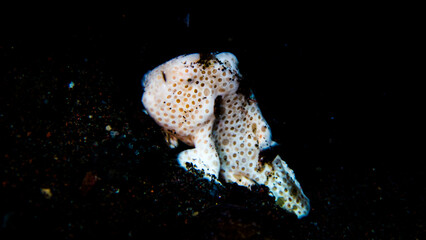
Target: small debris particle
[47, 193]
[71, 85]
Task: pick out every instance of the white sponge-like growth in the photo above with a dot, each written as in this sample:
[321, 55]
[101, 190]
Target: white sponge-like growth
[180, 95]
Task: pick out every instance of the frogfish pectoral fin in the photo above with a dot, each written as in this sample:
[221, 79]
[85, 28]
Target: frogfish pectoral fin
[286, 189]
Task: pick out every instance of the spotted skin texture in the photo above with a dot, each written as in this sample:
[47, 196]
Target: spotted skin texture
[240, 134]
[180, 95]
[194, 98]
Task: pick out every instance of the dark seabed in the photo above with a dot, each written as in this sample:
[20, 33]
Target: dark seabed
[80, 159]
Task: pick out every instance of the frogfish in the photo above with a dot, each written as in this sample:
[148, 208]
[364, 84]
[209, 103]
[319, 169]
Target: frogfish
[196, 99]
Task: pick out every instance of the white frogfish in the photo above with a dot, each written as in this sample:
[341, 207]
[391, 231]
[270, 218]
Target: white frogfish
[195, 99]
